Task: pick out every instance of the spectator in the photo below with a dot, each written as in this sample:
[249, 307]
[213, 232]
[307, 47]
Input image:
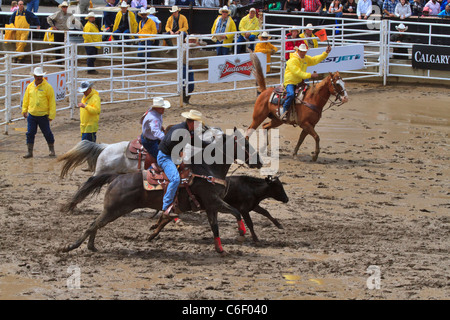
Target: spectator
[233, 7]
[125, 21]
[364, 9]
[22, 19]
[83, 5]
[389, 8]
[248, 24]
[14, 6]
[425, 12]
[435, 7]
[443, 4]
[399, 38]
[185, 2]
[446, 12]
[417, 7]
[292, 5]
[58, 21]
[275, 6]
[39, 108]
[194, 45]
[91, 27]
[176, 24]
[208, 3]
[33, 6]
[138, 4]
[307, 34]
[350, 6]
[266, 47]
[403, 10]
[152, 15]
[294, 35]
[145, 26]
[223, 24]
[336, 8]
[109, 17]
[90, 108]
[312, 5]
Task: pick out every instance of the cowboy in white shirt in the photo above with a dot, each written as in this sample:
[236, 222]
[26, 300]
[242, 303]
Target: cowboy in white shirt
[152, 128]
[364, 9]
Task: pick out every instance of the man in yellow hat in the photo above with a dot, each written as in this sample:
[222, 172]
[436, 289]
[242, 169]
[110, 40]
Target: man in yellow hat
[295, 72]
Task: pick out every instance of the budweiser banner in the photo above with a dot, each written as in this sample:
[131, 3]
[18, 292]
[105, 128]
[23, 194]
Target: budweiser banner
[233, 67]
[339, 59]
[431, 57]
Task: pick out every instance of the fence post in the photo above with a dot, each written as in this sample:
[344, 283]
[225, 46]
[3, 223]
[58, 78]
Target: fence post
[73, 76]
[180, 54]
[8, 92]
[384, 50]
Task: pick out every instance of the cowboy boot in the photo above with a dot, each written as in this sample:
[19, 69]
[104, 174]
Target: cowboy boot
[30, 151]
[51, 148]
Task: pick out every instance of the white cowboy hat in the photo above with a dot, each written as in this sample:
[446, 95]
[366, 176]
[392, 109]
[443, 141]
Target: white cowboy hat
[63, 4]
[193, 115]
[401, 26]
[160, 103]
[124, 4]
[264, 35]
[85, 85]
[302, 47]
[39, 72]
[174, 9]
[252, 9]
[224, 8]
[152, 10]
[90, 15]
[309, 26]
[143, 11]
[295, 28]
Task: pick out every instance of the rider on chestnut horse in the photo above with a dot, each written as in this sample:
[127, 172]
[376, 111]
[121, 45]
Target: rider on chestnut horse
[296, 73]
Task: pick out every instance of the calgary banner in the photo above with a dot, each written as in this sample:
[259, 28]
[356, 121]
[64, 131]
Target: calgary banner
[431, 57]
[56, 80]
[233, 67]
[339, 59]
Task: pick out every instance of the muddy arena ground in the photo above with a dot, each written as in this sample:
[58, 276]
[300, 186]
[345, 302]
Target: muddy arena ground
[377, 196]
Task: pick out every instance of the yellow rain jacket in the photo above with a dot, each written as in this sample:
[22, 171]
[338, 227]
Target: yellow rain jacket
[248, 24]
[39, 100]
[296, 67]
[49, 36]
[307, 39]
[90, 27]
[267, 48]
[132, 23]
[90, 114]
[20, 21]
[148, 28]
[231, 27]
[183, 24]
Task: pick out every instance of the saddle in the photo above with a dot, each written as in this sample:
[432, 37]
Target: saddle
[279, 96]
[136, 151]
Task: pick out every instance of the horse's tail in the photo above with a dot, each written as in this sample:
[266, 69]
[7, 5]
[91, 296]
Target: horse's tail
[258, 72]
[84, 150]
[92, 186]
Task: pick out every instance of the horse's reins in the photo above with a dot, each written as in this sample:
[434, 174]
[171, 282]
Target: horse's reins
[338, 95]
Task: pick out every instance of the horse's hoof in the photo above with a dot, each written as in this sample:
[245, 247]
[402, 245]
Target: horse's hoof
[151, 237]
[92, 248]
[153, 227]
[241, 239]
[223, 254]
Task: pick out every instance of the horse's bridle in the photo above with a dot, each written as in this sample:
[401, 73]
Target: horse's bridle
[337, 93]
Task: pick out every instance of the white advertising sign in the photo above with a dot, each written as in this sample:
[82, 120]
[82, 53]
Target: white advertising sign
[56, 80]
[233, 67]
[339, 59]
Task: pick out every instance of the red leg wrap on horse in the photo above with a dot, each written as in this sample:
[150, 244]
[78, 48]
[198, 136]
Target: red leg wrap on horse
[242, 229]
[218, 244]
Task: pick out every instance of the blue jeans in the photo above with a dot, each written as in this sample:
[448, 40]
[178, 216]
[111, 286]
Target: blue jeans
[190, 79]
[121, 31]
[290, 95]
[241, 49]
[33, 6]
[145, 46]
[166, 163]
[91, 136]
[91, 51]
[223, 51]
[43, 123]
[150, 145]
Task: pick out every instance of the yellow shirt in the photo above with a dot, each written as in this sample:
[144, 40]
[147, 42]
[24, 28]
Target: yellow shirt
[90, 27]
[132, 23]
[296, 67]
[90, 114]
[231, 27]
[307, 39]
[182, 23]
[267, 48]
[248, 24]
[39, 100]
[148, 28]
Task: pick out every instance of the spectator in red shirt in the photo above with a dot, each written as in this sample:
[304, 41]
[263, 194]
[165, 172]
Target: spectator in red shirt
[311, 5]
[290, 45]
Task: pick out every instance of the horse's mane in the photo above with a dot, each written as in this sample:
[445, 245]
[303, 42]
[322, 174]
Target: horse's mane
[316, 88]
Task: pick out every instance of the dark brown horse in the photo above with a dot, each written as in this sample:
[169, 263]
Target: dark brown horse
[126, 193]
[307, 113]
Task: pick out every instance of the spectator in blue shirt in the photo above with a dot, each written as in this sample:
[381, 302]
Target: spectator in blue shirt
[389, 8]
[446, 12]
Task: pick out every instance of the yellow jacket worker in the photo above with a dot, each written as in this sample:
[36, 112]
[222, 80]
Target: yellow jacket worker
[89, 111]
[247, 25]
[307, 34]
[176, 24]
[39, 108]
[296, 71]
[223, 24]
[89, 36]
[266, 47]
[22, 18]
[125, 21]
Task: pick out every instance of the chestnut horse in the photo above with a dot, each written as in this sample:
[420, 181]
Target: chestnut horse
[308, 113]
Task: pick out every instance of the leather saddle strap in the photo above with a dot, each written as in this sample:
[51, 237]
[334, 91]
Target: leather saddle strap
[211, 179]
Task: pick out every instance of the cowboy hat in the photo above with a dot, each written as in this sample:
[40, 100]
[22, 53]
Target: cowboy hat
[302, 47]
[174, 9]
[85, 85]
[309, 26]
[193, 115]
[224, 8]
[160, 103]
[142, 12]
[90, 15]
[401, 26]
[152, 10]
[124, 4]
[252, 9]
[63, 4]
[264, 35]
[39, 72]
[295, 28]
